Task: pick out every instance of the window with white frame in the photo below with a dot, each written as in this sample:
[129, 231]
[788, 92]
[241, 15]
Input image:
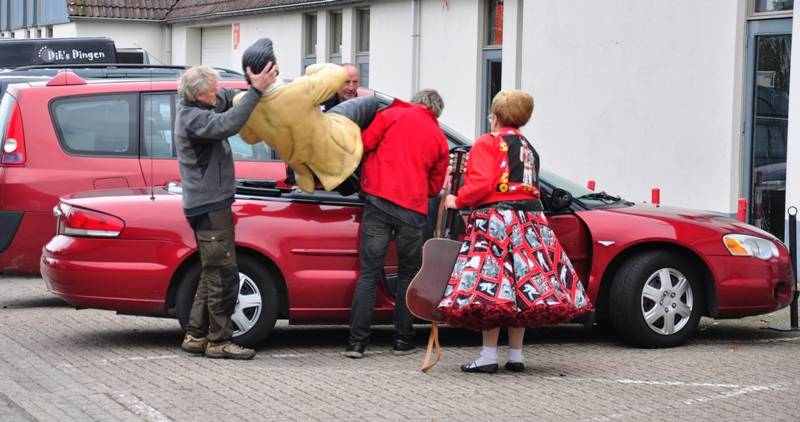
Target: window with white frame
[309, 40]
[362, 45]
[492, 56]
[763, 9]
[335, 37]
[49, 31]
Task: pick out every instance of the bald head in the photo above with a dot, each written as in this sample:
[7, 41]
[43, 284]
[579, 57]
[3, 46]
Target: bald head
[350, 89]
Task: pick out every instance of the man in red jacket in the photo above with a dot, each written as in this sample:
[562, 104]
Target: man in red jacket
[404, 165]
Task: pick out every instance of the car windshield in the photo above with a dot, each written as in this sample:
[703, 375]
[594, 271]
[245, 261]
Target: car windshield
[582, 195]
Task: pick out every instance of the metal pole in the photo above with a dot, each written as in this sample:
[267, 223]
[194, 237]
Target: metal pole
[793, 255]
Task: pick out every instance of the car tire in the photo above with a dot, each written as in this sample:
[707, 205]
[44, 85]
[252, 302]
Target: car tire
[649, 287]
[255, 281]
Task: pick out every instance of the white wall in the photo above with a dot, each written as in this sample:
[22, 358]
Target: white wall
[637, 94]
[449, 59]
[65, 30]
[148, 36]
[390, 60]
[284, 29]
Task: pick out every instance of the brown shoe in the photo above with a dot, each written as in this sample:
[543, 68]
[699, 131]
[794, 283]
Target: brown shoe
[194, 345]
[228, 350]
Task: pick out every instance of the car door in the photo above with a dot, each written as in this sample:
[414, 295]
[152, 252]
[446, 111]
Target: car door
[320, 251]
[573, 234]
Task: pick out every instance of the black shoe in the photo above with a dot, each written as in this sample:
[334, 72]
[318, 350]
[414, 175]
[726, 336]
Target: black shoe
[402, 347]
[355, 350]
[482, 369]
[515, 366]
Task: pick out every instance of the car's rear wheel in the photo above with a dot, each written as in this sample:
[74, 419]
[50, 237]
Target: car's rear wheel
[656, 300]
[256, 306]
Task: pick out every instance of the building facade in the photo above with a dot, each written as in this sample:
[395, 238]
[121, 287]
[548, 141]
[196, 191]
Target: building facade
[691, 97]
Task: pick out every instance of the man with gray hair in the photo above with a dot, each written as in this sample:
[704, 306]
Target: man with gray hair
[205, 117]
[404, 165]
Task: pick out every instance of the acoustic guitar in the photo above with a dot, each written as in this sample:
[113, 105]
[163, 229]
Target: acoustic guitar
[438, 258]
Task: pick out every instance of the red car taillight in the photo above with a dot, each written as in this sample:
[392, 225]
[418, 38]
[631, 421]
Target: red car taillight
[74, 221]
[13, 153]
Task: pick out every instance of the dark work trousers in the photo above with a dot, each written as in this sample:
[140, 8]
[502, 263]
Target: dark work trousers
[377, 230]
[218, 287]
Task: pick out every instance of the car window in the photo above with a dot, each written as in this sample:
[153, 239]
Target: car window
[97, 125]
[242, 151]
[157, 121]
[158, 137]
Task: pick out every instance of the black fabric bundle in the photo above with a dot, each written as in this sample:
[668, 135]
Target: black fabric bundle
[257, 56]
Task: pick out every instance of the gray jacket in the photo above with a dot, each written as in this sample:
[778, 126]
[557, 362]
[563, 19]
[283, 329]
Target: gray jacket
[204, 154]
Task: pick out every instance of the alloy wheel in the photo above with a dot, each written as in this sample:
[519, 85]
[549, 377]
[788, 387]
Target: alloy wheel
[248, 306]
[667, 301]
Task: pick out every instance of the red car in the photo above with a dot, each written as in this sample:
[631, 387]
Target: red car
[91, 128]
[651, 272]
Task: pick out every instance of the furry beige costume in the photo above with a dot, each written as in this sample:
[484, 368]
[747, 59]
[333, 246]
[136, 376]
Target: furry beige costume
[312, 143]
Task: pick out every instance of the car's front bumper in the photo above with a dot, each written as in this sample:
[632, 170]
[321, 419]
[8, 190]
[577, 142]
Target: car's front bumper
[750, 286]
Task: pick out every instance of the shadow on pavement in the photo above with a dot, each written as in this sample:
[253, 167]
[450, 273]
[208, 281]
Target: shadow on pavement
[34, 302]
[322, 336]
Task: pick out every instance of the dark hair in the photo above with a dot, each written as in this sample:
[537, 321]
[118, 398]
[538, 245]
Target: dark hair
[257, 56]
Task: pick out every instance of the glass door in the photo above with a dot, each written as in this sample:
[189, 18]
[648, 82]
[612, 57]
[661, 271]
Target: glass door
[769, 53]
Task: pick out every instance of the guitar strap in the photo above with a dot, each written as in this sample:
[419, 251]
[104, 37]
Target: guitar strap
[433, 348]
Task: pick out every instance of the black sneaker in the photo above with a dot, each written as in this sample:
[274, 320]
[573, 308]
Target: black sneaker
[515, 366]
[402, 347]
[482, 369]
[355, 350]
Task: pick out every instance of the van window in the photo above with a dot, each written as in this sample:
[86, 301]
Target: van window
[242, 151]
[157, 122]
[98, 125]
[158, 136]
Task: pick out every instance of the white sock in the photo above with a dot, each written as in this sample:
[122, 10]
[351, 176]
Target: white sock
[488, 356]
[514, 355]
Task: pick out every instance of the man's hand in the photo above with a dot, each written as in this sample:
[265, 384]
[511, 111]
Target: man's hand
[262, 81]
[450, 202]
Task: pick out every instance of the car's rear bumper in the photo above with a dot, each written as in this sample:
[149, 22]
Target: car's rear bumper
[25, 237]
[130, 276]
[750, 286]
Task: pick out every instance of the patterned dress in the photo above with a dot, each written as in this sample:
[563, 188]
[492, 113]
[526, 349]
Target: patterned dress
[511, 270]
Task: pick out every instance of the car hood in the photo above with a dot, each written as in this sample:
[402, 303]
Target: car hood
[708, 219]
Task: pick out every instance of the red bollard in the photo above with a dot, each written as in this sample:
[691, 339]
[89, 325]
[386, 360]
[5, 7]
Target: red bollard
[741, 212]
[655, 196]
[591, 184]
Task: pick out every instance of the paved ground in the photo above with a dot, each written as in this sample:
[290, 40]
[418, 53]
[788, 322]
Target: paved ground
[57, 363]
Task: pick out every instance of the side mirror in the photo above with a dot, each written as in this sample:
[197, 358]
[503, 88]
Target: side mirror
[560, 200]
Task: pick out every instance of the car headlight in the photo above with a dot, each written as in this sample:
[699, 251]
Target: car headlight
[744, 245]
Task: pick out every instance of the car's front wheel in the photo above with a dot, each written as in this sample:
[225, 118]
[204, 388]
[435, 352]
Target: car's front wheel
[656, 300]
[256, 306]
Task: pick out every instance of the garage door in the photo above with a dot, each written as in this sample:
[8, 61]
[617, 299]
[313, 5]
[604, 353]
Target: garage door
[216, 46]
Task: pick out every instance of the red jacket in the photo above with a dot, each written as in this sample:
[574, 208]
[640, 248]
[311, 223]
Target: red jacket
[488, 179]
[405, 156]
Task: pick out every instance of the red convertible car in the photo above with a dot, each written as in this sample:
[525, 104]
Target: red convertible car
[652, 272]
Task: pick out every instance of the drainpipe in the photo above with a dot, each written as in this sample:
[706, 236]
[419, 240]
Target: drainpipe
[166, 33]
[416, 16]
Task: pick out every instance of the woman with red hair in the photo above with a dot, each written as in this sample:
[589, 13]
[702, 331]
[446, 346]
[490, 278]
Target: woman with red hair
[511, 271]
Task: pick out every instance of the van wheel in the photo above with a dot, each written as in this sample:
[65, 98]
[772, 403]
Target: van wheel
[256, 306]
[656, 300]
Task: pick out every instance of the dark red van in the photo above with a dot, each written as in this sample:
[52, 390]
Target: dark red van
[91, 127]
